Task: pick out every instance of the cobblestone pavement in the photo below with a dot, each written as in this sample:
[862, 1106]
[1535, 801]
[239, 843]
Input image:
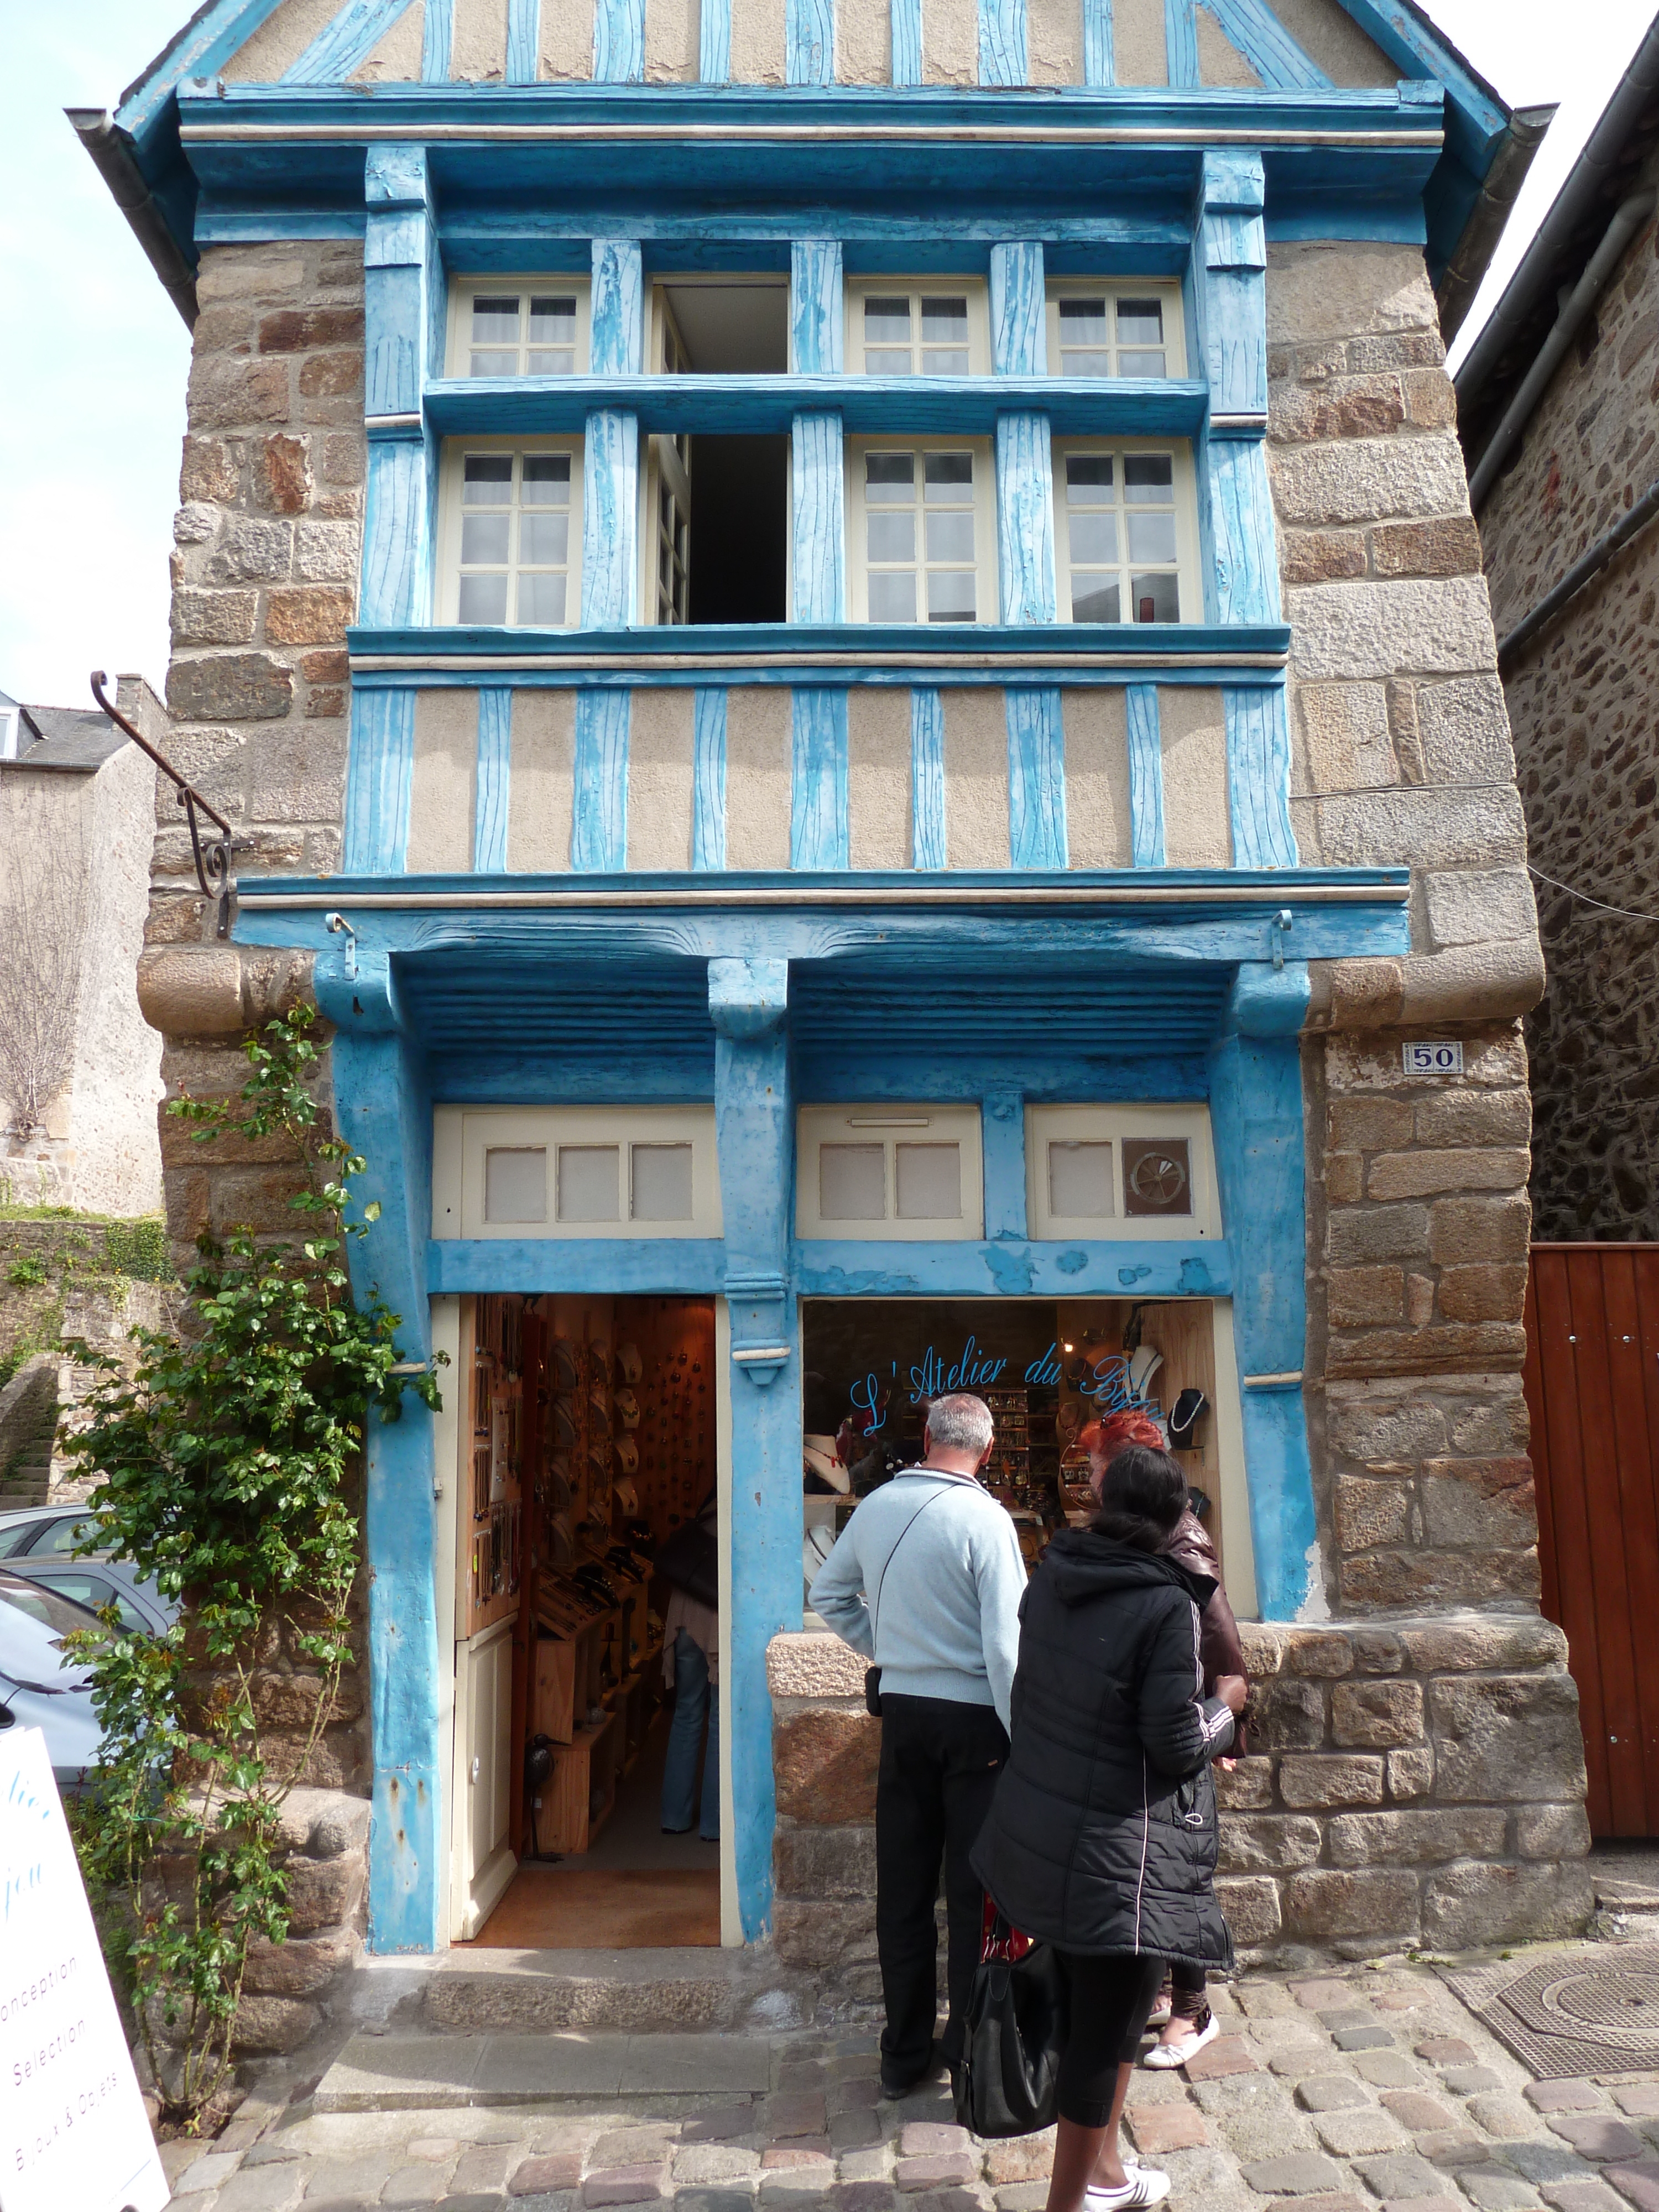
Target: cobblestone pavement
[1338, 2093]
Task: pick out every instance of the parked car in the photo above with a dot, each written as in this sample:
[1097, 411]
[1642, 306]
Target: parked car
[41, 1530]
[40, 1684]
[40, 1541]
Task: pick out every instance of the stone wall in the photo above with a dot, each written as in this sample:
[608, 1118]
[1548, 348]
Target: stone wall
[1416, 1783]
[1580, 705]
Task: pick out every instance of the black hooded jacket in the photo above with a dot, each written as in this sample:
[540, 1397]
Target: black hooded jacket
[1102, 1836]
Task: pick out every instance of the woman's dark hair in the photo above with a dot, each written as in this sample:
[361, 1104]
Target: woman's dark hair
[1143, 1493]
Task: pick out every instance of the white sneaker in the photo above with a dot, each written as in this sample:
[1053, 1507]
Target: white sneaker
[1177, 2054]
[1143, 2185]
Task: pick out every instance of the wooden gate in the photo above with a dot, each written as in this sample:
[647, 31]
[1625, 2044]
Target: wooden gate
[1592, 1385]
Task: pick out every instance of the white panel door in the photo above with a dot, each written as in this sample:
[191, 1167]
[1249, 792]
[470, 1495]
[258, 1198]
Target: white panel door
[482, 1794]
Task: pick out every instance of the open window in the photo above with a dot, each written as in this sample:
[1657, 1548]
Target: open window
[518, 326]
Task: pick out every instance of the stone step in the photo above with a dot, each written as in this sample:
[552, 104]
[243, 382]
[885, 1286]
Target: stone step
[391, 2072]
[633, 1991]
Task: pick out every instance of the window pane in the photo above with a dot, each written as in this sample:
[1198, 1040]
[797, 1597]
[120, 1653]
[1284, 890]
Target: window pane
[662, 1182]
[553, 319]
[1148, 479]
[1081, 361]
[1140, 322]
[544, 540]
[546, 480]
[545, 361]
[1080, 1181]
[1155, 598]
[889, 477]
[1088, 480]
[483, 600]
[949, 477]
[886, 322]
[541, 601]
[892, 536]
[892, 597]
[588, 1180]
[928, 1181]
[944, 361]
[495, 320]
[950, 537]
[484, 539]
[945, 320]
[1151, 538]
[884, 361]
[488, 480]
[1094, 538]
[1141, 364]
[516, 1183]
[496, 364]
[951, 595]
[1083, 322]
[852, 1183]
[1093, 601]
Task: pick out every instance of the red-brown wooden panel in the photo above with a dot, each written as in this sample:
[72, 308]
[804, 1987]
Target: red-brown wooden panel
[1592, 1387]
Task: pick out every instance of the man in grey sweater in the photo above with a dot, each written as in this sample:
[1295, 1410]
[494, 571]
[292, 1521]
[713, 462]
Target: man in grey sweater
[927, 1579]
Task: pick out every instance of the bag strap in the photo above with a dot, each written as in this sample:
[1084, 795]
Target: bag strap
[876, 1601]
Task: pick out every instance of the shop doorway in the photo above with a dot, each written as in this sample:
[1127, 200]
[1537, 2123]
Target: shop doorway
[584, 1436]
[1046, 1367]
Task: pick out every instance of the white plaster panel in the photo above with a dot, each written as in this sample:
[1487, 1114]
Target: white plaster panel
[1219, 62]
[1197, 818]
[279, 41]
[1328, 36]
[478, 52]
[1097, 831]
[445, 770]
[1344, 288]
[396, 59]
[567, 39]
[878, 776]
[672, 29]
[1054, 41]
[1140, 55]
[759, 748]
[757, 42]
[949, 41]
[542, 788]
[975, 778]
[659, 778]
[864, 42]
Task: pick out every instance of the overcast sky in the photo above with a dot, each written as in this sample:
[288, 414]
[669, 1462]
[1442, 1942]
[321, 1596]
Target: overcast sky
[94, 365]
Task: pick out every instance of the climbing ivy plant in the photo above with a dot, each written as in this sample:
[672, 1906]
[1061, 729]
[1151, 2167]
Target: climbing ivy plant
[222, 1463]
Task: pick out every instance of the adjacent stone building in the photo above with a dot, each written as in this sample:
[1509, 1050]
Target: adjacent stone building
[1162, 900]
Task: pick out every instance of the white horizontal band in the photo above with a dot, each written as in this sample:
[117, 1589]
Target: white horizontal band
[878, 895]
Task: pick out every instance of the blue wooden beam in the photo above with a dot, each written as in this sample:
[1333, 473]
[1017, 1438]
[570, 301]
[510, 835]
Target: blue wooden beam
[1265, 43]
[709, 779]
[1037, 778]
[1012, 1267]
[437, 40]
[494, 781]
[905, 30]
[818, 315]
[213, 35]
[346, 43]
[1002, 42]
[714, 41]
[524, 42]
[1145, 775]
[818, 814]
[818, 568]
[1259, 779]
[1181, 44]
[401, 268]
[809, 42]
[618, 41]
[379, 780]
[607, 1267]
[1002, 1138]
[928, 778]
[1099, 60]
[598, 829]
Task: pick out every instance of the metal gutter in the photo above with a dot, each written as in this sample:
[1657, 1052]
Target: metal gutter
[1588, 177]
[1629, 525]
[1627, 219]
[1462, 275]
[113, 158]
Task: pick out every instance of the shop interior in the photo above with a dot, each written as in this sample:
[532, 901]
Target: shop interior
[590, 1437]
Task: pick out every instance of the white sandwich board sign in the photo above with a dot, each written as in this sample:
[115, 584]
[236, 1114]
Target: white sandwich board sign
[73, 2128]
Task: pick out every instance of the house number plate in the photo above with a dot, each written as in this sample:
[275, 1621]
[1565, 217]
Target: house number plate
[1431, 1059]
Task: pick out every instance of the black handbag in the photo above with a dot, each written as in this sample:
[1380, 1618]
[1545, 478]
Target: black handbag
[1017, 2017]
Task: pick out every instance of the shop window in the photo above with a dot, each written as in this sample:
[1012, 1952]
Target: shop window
[1112, 1172]
[898, 1171]
[518, 326]
[917, 326]
[920, 530]
[1125, 532]
[571, 1172]
[1119, 329]
[511, 533]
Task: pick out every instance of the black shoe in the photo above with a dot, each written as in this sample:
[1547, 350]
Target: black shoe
[895, 2086]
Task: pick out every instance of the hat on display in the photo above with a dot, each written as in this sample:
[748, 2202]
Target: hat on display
[1189, 1409]
[1118, 1431]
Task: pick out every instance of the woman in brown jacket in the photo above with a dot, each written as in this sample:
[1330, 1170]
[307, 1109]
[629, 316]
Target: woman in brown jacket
[1187, 2023]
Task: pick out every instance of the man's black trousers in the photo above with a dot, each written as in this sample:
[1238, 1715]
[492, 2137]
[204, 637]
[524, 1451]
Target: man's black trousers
[939, 1763]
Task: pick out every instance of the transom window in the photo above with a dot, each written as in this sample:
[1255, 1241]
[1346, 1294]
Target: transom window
[1130, 331]
[878, 1171]
[512, 537]
[607, 1171]
[920, 523]
[1123, 531]
[920, 328]
[517, 326]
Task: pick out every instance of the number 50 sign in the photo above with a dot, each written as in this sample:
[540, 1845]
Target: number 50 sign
[1432, 1059]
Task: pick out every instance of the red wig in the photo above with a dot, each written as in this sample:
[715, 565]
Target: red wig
[1117, 1430]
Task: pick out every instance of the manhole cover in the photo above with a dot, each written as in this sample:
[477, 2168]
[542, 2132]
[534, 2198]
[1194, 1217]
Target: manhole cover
[1590, 2013]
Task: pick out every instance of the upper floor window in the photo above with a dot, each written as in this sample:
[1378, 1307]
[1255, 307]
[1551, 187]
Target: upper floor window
[511, 532]
[1115, 330]
[518, 326]
[903, 326]
[921, 530]
[580, 1171]
[1125, 533]
[881, 1172]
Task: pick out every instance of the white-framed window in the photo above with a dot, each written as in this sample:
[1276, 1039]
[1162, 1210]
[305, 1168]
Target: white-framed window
[666, 538]
[1105, 1172]
[574, 1171]
[518, 326]
[903, 1172]
[510, 532]
[921, 530]
[917, 326]
[1124, 328]
[1126, 531]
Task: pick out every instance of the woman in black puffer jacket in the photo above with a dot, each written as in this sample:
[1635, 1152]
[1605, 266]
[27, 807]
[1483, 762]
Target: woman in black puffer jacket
[1102, 1836]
